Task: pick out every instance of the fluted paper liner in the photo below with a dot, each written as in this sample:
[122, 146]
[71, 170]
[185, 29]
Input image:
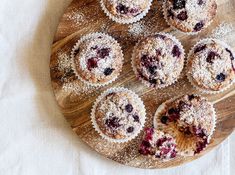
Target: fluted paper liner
[76, 46]
[137, 100]
[146, 83]
[190, 79]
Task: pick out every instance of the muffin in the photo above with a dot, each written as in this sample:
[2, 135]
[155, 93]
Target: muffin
[158, 145]
[126, 11]
[190, 119]
[158, 60]
[190, 16]
[211, 66]
[97, 59]
[118, 115]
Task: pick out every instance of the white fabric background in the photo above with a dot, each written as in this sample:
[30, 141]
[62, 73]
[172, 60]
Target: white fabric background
[34, 137]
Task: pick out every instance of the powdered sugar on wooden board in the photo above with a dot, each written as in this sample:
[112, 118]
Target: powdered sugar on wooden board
[76, 16]
[63, 61]
[225, 32]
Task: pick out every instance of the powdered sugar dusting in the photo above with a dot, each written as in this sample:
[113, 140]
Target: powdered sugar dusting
[137, 29]
[225, 31]
[76, 16]
[63, 61]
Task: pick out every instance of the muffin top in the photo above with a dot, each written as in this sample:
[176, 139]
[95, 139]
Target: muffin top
[120, 114]
[211, 65]
[158, 144]
[158, 60]
[190, 15]
[98, 58]
[126, 9]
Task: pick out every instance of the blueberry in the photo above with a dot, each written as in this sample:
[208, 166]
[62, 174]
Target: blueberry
[108, 71]
[198, 26]
[176, 51]
[182, 16]
[113, 123]
[200, 48]
[179, 4]
[164, 119]
[172, 111]
[129, 108]
[211, 56]
[102, 53]
[152, 69]
[122, 9]
[200, 2]
[130, 129]
[221, 77]
[136, 118]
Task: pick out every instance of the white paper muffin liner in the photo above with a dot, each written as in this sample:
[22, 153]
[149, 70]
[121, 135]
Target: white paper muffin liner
[163, 106]
[77, 45]
[164, 9]
[125, 21]
[146, 83]
[189, 77]
[137, 100]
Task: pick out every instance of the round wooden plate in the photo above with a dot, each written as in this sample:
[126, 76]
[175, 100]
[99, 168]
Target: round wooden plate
[75, 99]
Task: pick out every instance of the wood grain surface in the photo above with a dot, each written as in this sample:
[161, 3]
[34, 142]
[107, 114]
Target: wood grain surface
[75, 99]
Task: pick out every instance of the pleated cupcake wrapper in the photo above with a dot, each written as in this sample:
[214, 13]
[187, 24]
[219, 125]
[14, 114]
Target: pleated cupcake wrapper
[122, 20]
[137, 100]
[189, 76]
[77, 45]
[184, 145]
[146, 83]
[188, 33]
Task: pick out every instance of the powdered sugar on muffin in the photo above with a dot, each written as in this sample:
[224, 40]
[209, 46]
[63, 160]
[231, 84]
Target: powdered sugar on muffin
[211, 65]
[119, 114]
[158, 145]
[97, 58]
[190, 16]
[158, 60]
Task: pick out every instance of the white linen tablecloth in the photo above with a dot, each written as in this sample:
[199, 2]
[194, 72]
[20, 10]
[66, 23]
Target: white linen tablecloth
[35, 139]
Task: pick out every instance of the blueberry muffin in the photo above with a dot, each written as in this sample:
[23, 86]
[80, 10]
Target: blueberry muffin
[190, 16]
[158, 60]
[97, 59]
[118, 115]
[126, 11]
[211, 65]
[193, 116]
[158, 145]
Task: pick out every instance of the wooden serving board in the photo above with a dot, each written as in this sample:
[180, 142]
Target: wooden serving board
[75, 99]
